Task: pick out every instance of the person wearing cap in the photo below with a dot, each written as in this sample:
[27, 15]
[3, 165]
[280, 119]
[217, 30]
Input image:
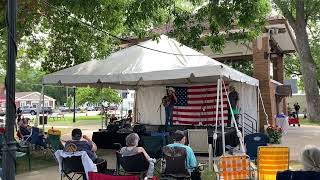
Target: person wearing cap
[87, 145]
[179, 141]
[234, 102]
[169, 102]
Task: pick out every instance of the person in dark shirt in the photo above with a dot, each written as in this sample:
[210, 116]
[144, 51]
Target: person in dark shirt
[129, 116]
[88, 146]
[296, 108]
[113, 118]
[234, 102]
[168, 102]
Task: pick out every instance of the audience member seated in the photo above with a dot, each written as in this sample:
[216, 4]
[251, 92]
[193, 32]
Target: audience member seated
[132, 141]
[113, 118]
[179, 139]
[88, 146]
[311, 158]
[24, 127]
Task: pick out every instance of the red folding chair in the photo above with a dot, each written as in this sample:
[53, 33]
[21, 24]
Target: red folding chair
[98, 176]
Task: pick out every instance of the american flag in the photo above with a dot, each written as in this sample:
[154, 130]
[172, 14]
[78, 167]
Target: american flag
[197, 105]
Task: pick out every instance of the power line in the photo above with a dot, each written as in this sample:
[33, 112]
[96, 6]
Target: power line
[111, 35]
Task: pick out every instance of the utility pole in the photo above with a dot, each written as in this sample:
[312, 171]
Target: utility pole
[9, 146]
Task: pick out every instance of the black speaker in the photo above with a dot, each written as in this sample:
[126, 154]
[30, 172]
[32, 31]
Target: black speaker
[140, 129]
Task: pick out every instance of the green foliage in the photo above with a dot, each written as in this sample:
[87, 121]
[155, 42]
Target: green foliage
[49, 31]
[69, 102]
[51, 34]
[244, 65]
[275, 134]
[215, 19]
[96, 96]
[208, 174]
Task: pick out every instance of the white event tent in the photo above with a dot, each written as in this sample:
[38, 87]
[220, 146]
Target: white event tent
[151, 66]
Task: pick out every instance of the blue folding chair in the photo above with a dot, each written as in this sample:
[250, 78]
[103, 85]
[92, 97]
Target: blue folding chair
[36, 138]
[253, 141]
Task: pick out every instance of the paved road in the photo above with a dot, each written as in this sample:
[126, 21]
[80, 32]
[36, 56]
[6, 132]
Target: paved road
[298, 137]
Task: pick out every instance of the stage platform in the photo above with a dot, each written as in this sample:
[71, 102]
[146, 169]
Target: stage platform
[105, 139]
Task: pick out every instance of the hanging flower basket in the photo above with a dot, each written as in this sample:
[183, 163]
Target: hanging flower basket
[275, 134]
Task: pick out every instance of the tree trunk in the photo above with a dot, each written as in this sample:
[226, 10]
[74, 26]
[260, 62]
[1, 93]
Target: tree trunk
[308, 66]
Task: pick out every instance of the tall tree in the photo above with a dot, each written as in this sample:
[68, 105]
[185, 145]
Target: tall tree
[207, 23]
[300, 14]
[96, 96]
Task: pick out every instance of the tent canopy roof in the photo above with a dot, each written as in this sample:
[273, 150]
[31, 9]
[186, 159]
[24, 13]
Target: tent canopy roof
[162, 62]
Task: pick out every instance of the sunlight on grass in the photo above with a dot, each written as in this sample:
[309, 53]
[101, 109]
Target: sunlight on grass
[309, 122]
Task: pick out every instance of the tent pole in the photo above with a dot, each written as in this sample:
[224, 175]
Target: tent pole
[42, 96]
[242, 149]
[258, 110]
[135, 106]
[74, 104]
[222, 119]
[215, 135]
[102, 112]
[121, 108]
[36, 123]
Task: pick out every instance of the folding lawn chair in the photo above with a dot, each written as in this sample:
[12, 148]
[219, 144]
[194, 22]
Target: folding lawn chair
[54, 142]
[36, 138]
[175, 163]
[271, 160]
[234, 167]
[132, 165]
[71, 163]
[153, 145]
[253, 141]
[24, 136]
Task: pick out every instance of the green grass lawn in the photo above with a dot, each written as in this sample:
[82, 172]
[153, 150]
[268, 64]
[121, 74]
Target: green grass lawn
[80, 120]
[309, 122]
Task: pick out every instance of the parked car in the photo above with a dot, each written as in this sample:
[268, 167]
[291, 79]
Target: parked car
[90, 108]
[33, 110]
[64, 109]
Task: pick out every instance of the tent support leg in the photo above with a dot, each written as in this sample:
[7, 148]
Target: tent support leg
[42, 96]
[74, 104]
[222, 119]
[242, 149]
[215, 135]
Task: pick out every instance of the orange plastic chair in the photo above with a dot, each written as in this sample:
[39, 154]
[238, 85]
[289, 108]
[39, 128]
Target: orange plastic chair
[236, 167]
[271, 160]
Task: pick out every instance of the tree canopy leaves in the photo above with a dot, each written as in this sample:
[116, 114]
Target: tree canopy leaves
[96, 96]
[52, 32]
